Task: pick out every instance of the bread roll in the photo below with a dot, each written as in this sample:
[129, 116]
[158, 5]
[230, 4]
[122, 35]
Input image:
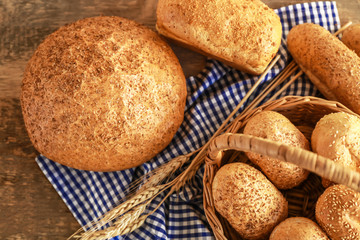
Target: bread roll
[351, 38]
[338, 213]
[337, 136]
[103, 94]
[276, 127]
[242, 33]
[248, 200]
[331, 66]
[298, 228]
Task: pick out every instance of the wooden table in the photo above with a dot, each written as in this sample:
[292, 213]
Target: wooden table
[30, 208]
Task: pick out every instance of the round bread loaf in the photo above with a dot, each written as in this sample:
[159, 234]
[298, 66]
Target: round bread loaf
[338, 213]
[351, 38]
[248, 200]
[276, 127]
[337, 137]
[298, 228]
[103, 94]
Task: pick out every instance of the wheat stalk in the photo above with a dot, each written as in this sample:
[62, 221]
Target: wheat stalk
[149, 190]
[129, 222]
[165, 171]
[135, 202]
[158, 175]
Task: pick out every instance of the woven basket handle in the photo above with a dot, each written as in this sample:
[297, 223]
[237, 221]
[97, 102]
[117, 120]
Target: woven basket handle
[322, 166]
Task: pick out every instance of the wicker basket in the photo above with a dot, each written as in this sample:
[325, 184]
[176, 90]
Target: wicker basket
[303, 112]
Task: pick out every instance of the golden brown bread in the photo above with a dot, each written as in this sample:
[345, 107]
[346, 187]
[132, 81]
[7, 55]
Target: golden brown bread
[248, 200]
[351, 38]
[337, 137]
[103, 94]
[331, 66]
[298, 228]
[338, 213]
[242, 33]
[276, 127]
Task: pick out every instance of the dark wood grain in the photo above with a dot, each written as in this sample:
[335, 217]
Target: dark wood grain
[30, 208]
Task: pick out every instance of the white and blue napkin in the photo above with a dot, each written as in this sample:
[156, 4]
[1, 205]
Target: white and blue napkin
[212, 95]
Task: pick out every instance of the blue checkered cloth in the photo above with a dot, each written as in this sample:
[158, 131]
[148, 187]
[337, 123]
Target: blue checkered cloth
[212, 95]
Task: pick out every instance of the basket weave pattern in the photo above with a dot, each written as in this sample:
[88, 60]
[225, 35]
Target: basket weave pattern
[304, 113]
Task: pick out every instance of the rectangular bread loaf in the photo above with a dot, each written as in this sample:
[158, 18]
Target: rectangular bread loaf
[244, 34]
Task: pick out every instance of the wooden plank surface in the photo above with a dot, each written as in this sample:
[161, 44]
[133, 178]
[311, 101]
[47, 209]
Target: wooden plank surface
[30, 208]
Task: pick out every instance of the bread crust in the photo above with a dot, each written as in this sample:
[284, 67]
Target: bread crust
[248, 200]
[298, 228]
[337, 136]
[276, 127]
[244, 34]
[329, 64]
[103, 94]
[351, 38]
[338, 213]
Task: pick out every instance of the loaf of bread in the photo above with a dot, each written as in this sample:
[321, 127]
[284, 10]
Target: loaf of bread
[351, 38]
[338, 213]
[298, 228]
[337, 136]
[244, 34]
[103, 94]
[330, 65]
[248, 200]
[276, 127]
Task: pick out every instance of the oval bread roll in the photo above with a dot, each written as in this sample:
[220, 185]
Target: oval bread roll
[337, 136]
[276, 127]
[248, 200]
[338, 213]
[298, 228]
[244, 34]
[103, 94]
[351, 38]
[331, 66]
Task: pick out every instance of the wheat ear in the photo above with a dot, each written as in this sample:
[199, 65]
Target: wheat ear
[147, 191]
[120, 210]
[166, 171]
[122, 227]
